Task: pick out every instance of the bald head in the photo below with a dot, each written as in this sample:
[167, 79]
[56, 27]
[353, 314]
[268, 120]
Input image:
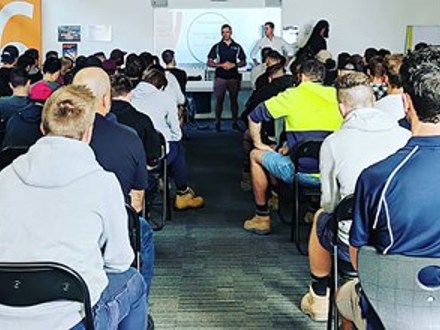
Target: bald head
[98, 81]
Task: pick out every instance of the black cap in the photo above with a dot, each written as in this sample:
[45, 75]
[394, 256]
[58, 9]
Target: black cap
[117, 54]
[9, 54]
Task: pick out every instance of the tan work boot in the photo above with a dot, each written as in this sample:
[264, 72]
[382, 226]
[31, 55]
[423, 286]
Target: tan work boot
[188, 201]
[315, 306]
[258, 224]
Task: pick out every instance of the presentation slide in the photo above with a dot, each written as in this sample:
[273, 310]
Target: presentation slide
[192, 32]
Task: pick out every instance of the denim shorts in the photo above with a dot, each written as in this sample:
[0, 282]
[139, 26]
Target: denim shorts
[324, 231]
[282, 168]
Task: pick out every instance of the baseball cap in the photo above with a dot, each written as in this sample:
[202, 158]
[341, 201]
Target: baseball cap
[117, 53]
[9, 54]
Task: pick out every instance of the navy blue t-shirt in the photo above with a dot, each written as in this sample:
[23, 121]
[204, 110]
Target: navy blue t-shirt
[120, 151]
[396, 208]
[397, 200]
[223, 53]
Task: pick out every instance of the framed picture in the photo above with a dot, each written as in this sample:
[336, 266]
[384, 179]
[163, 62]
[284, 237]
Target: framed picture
[69, 33]
[70, 50]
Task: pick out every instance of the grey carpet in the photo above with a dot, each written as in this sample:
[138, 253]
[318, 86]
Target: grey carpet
[209, 272]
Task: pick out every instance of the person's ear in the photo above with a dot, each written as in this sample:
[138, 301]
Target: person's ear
[42, 130]
[343, 109]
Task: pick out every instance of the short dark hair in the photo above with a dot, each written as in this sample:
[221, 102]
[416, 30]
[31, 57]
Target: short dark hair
[134, 68]
[270, 24]
[313, 69]
[51, 54]
[421, 45]
[121, 85]
[264, 52]
[224, 26]
[420, 73]
[34, 53]
[24, 61]
[167, 56]
[18, 78]
[156, 78]
[370, 53]
[376, 66]
[52, 65]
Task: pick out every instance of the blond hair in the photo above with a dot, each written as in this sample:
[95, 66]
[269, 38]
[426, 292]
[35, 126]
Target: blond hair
[354, 90]
[69, 112]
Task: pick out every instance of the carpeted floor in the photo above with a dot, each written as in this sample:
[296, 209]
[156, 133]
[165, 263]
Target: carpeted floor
[209, 272]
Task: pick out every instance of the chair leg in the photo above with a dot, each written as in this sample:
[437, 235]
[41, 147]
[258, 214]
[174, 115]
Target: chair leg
[294, 224]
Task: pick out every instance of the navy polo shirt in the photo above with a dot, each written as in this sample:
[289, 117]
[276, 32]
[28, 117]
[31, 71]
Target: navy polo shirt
[397, 202]
[222, 53]
[120, 151]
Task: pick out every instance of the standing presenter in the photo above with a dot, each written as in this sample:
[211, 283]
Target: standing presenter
[226, 57]
[270, 40]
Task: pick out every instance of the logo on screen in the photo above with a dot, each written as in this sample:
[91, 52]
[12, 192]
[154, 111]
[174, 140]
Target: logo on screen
[20, 23]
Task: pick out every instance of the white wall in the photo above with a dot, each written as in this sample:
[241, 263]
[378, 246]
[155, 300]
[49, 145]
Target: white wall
[355, 24]
[131, 20]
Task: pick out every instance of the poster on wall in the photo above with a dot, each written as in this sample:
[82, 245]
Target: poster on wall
[70, 50]
[69, 33]
[102, 33]
[20, 23]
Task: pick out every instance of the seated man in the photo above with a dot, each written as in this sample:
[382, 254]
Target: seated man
[52, 71]
[126, 114]
[311, 112]
[397, 199]
[120, 151]
[150, 99]
[77, 218]
[278, 82]
[344, 154]
[19, 83]
[23, 128]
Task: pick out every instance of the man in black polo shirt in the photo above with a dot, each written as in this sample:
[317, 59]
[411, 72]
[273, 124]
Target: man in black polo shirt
[120, 150]
[226, 56]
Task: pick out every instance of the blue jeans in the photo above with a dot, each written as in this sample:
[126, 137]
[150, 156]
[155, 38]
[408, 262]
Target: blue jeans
[123, 303]
[282, 168]
[177, 165]
[147, 254]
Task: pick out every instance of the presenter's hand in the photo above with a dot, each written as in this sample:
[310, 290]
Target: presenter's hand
[228, 66]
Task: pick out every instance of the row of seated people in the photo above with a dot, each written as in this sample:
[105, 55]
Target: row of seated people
[119, 123]
[366, 152]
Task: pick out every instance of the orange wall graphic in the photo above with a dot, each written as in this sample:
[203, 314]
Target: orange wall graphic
[20, 23]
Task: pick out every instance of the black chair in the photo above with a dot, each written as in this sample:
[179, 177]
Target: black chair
[134, 232]
[29, 284]
[160, 173]
[340, 268]
[307, 149]
[9, 154]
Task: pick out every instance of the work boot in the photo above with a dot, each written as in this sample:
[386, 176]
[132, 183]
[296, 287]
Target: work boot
[188, 200]
[315, 306]
[258, 224]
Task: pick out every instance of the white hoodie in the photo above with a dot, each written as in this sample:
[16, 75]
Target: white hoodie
[366, 137]
[160, 107]
[58, 204]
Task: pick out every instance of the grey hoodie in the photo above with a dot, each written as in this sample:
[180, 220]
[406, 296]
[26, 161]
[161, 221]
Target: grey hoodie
[367, 136]
[57, 204]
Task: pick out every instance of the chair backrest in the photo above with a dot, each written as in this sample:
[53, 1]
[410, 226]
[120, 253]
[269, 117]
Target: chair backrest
[392, 286]
[28, 284]
[343, 211]
[307, 149]
[134, 231]
[9, 154]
